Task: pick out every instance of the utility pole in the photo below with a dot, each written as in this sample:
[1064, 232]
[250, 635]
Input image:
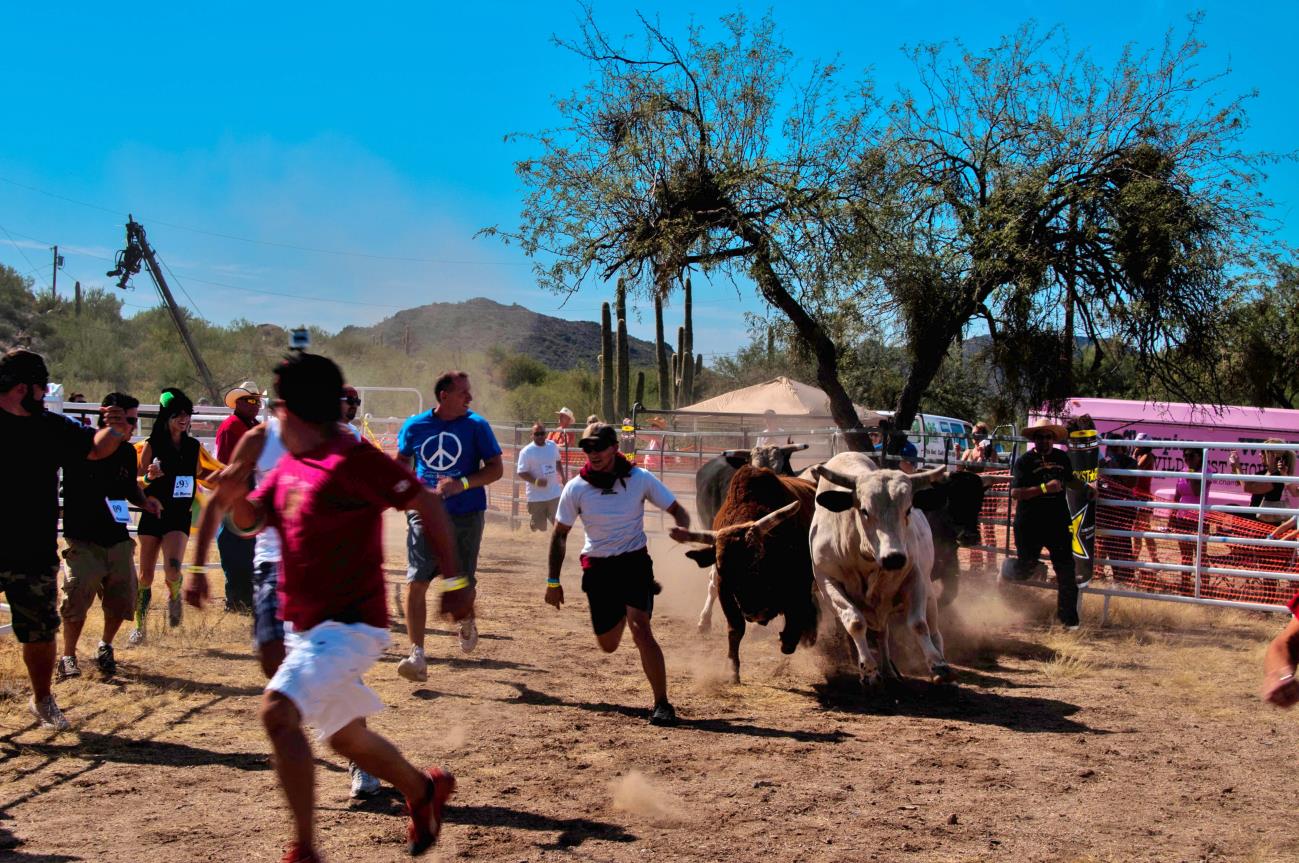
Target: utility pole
[128, 264]
[54, 276]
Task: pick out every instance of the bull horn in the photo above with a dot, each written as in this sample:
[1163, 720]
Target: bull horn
[765, 524]
[793, 447]
[735, 453]
[831, 475]
[927, 478]
[707, 537]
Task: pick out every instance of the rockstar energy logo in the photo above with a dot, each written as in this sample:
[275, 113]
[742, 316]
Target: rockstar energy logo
[1087, 474]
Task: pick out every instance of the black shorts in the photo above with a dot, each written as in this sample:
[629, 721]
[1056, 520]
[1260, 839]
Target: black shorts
[612, 584]
[177, 517]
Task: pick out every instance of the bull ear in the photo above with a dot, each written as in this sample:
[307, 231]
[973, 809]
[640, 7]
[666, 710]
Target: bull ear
[926, 478]
[705, 557]
[830, 475]
[835, 501]
[736, 458]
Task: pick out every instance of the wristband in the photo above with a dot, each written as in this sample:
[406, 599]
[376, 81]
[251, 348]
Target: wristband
[196, 569]
[1042, 487]
[464, 481]
[552, 582]
[115, 433]
[457, 583]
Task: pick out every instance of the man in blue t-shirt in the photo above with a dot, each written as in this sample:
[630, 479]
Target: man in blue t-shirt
[455, 453]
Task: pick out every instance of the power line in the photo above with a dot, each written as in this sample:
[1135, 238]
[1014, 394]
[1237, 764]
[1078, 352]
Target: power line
[31, 266]
[294, 246]
[182, 287]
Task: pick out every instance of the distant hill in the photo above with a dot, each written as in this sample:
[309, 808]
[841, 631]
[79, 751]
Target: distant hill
[478, 324]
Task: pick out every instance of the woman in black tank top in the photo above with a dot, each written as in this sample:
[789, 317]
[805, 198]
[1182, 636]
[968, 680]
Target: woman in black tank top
[169, 461]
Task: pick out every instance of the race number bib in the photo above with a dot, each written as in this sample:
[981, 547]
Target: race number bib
[184, 487]
[121, 513]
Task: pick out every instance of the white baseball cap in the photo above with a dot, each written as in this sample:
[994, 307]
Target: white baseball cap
[568, 412]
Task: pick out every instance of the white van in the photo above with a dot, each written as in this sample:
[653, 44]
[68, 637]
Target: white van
[939, 440]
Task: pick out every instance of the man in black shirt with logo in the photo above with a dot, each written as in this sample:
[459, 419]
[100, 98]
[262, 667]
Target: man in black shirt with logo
[100, 553]
[1042, 515]
[37, 444]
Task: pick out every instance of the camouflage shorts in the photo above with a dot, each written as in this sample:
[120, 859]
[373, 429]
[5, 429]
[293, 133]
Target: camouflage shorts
[33, 597]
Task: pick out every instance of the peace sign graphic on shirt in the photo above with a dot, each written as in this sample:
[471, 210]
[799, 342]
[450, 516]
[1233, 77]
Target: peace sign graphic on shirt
[446, 449]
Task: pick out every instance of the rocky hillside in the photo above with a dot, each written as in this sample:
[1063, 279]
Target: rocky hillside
[478, 324]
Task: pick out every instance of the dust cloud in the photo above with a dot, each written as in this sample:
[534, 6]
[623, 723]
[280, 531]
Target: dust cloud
[634, 794]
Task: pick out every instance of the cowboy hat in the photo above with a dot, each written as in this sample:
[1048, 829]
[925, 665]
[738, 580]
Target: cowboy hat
[245, 389]
[566, 412]
[658, 423]
[1059, 432]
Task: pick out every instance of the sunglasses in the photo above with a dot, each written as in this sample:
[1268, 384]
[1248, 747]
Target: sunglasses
[539, 434]
[356, 403]
[1042, 437]
[595, 447]
[252, 399]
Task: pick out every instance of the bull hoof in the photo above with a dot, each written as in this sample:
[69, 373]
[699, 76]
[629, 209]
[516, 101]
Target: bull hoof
[787, 647]
[943, 673]
[735, 676]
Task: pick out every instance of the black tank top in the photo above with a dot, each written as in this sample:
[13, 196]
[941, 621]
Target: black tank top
[178, 466]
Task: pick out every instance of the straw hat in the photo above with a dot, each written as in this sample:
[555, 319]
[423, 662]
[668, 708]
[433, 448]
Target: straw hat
[247, 388]
[1059, 432]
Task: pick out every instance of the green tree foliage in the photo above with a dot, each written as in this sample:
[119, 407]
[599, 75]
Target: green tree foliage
[1264, 339]
[20, 313]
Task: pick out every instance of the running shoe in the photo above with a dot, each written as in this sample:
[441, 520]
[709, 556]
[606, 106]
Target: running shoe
[174, 609]
[426, 816]
[48, 714]
[363, 784]
[663, 714]
[67, 668]
[105, 661]
[295, 853]
[414, 668]
[468, 635]
[136, 638]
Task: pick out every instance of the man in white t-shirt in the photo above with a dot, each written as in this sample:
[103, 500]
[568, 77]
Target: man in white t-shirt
[772, 434]
[617, 574]
[539, 467]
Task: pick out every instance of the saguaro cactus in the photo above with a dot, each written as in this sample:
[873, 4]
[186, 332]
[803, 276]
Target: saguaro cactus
[622, 389]
[640, 388]
[687, 348]
[606, 365]
[661, 354]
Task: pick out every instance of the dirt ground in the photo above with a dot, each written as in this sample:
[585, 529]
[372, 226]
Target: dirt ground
[1141, 740]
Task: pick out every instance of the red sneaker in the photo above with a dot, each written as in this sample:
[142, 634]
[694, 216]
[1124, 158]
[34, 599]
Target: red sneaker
[426, 816]
[295, 853]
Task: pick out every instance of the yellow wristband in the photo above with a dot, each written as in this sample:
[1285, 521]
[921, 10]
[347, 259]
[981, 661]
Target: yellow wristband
[464, 481]
[196, 569]
[451, 584]
[1043, 488]
[552, 582]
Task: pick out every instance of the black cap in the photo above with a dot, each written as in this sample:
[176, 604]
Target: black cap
[599, 433]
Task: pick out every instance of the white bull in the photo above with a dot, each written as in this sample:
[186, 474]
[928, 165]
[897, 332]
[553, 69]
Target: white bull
[870, 553]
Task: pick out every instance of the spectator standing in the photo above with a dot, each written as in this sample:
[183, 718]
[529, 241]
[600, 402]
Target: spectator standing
[100, 553]
[565, 438]
[1042, 515]
[351, 405]
[977, 459]
[38, 444]
[1272, 495]
[455, 454]
[237, 552]
[539, 466]
[1118, 517]
[1187, 490]
[772, 434]
[1145, 457]
[617, 573]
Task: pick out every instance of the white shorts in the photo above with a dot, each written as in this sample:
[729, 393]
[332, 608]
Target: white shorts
[321, 673]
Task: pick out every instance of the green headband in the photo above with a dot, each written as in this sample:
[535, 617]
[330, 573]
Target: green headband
[165, 399]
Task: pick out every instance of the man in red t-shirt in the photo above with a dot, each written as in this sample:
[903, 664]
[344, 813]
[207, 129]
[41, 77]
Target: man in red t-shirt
[326, 497]
[1279, 686]
[237, 551]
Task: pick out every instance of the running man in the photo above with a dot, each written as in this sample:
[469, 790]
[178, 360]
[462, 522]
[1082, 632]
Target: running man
[539, 466]
[326, 498]
[617, 574]
[100, 553]
[38, 443]
[455, 454]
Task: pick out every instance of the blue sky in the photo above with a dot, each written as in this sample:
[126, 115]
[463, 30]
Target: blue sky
[379, 130]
